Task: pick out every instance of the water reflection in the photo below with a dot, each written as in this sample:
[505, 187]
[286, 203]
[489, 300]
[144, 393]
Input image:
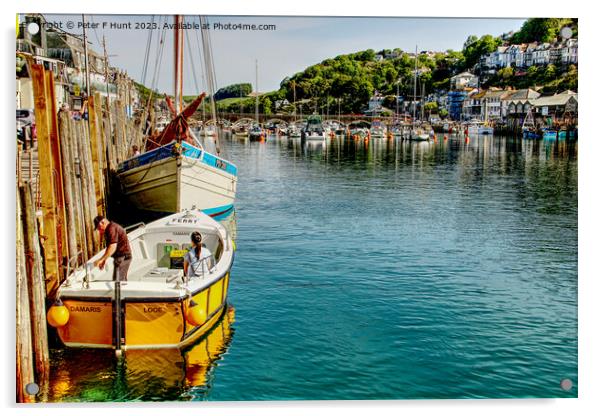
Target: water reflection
[141, 375]
[482, 151]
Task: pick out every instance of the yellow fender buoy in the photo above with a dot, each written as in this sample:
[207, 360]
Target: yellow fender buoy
[58, 314]
[195, 314]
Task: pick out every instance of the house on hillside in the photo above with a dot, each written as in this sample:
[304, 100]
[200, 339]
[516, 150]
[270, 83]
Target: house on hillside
[491, 103]
[568, 52]
[541, 54]
[471, 106]
[464, 80]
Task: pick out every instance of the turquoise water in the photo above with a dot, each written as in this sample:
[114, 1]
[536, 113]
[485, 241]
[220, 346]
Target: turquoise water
[382, 270]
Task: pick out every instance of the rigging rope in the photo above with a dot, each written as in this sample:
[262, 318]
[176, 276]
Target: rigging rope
[210, 70]
[196, 84]
[149, 41]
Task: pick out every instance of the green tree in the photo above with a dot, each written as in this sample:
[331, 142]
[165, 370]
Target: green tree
[232, 91]
[473, 51]
[266, 106]
[550, 73]
[543, 30]
[431, 107]
[506, 73]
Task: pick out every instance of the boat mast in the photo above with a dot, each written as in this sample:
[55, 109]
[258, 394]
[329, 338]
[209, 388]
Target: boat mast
[178, 62]
[256, 94]
[422, 103]
[397, 103]
[294, 100]
[415, 80]
[87, 67]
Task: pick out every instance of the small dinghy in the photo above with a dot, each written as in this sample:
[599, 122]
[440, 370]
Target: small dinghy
[157, 307]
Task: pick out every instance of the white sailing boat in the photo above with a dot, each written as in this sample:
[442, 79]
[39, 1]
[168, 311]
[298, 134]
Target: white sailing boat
[176, 172]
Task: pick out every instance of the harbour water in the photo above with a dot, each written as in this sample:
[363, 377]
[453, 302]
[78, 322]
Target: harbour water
[384, 269]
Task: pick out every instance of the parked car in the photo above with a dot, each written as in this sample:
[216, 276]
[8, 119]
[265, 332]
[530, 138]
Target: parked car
[26, 119]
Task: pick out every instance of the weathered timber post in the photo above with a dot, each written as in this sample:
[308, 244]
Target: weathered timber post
[85, 190]
[25, 373]
[68, 174]
[35, 283]
[95, 151]
[47, 179]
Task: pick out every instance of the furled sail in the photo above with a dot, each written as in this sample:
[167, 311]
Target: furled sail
[177, 129]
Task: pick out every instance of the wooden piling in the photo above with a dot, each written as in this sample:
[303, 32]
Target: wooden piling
[85, 190]
[55, 144]
[47, 179]
[25, 372]
[95, 152]
[92, 202]
[68, 175]
[102, 143]
[35, 284]
[19, 163]
[71, 145]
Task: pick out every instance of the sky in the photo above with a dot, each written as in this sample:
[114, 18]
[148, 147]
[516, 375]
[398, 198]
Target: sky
[295, 44]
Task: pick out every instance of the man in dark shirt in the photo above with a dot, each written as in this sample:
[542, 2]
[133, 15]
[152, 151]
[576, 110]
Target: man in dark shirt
[118, 247]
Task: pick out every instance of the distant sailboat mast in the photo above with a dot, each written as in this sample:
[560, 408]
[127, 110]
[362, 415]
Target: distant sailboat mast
[294, 100]
[256, 93]
[415, 80]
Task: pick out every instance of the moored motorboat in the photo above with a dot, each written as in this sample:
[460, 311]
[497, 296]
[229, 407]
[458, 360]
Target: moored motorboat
[293, 131]
[157, 307]
[476, 127]
[256, 133]
[313, 129]
[377, 129]
[419, 134]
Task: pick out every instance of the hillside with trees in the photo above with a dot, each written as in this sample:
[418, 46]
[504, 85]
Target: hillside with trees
[543, 30]
[350, 80]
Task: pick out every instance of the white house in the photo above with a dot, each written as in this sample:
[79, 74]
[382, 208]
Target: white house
[514, 55]
[491, 103]
[569, 52]
[463, 80]
[541, 54]
[376, 103]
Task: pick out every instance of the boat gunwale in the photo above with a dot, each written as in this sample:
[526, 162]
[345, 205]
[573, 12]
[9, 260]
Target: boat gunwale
[124, 170]
[204, 285]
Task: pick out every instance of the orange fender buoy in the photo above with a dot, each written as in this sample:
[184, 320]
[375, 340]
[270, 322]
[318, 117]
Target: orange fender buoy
[195, 314]
[58, 314]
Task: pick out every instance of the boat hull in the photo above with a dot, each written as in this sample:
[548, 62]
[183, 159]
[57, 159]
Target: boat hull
[151, 308]
[146, 322]
[480, 130]
[179, 182]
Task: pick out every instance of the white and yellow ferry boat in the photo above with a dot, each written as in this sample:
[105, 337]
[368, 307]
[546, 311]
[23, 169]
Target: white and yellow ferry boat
[157, 307]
